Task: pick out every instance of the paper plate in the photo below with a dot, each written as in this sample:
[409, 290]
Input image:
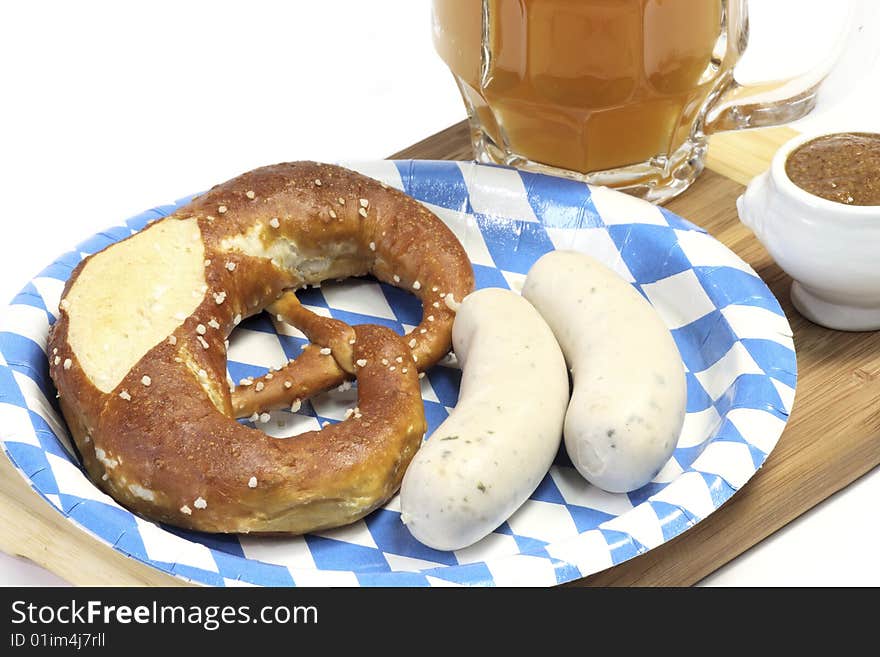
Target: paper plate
[733, 337]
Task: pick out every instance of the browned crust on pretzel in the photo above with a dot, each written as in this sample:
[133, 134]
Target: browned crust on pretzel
[411, 243]
[171, 440]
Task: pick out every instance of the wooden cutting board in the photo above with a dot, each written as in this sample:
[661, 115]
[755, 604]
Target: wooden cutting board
[832, 438]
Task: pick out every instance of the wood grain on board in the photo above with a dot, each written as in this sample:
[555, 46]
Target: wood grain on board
[832, 438]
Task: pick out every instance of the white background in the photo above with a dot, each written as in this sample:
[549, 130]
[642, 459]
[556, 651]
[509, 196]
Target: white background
[108, 108]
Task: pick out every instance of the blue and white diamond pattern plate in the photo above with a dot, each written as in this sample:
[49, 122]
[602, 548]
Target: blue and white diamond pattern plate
[733, 337]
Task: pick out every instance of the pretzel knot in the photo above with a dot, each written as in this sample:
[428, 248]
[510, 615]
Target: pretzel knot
[138, 353]
[327, 362]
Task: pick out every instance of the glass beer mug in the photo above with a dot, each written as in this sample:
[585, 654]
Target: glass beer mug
[620, 93]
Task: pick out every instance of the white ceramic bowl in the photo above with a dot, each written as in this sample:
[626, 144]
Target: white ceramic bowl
[831, 250]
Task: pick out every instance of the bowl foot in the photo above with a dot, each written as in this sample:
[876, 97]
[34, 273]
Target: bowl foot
[841, 317]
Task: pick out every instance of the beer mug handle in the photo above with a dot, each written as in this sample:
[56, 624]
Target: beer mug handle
[739, 106]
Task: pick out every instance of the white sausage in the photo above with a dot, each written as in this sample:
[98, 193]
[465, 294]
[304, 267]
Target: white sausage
[630, 393]
[493, 450]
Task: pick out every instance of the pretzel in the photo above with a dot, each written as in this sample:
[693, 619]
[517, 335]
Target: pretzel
[138, 353]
